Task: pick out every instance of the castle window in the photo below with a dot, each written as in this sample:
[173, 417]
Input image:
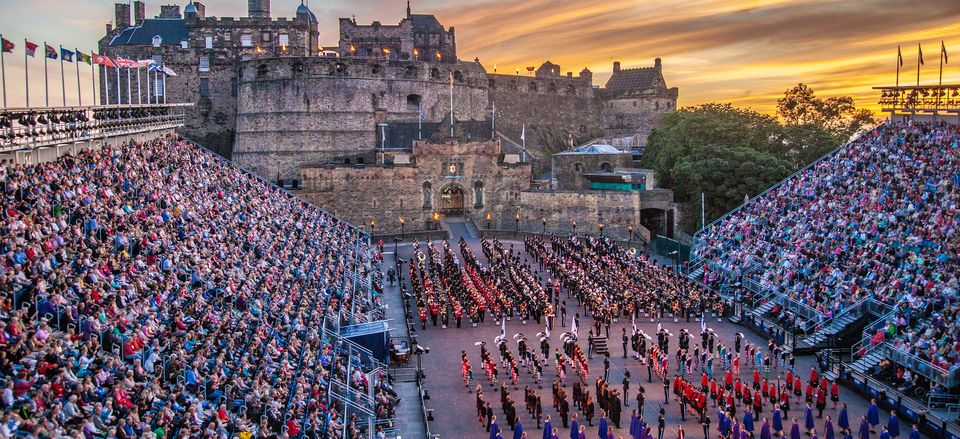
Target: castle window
[298, 67]
[246, 40]
[227, 36]
[284, 40]
[571, 90]
[265, 36]
[457, 76]
[208, 42]
[532, 87]
[411, 71]
[427, 194]
[434, 73]
[478, 194]
[184, 44]
[413, 102]
[205, 87]
[377, 69]
[552, 87]
[577, 167]
[606, 167]
[157, 40]
[341, 68]
[158, 59]
[493, 84]
[261, 70]
[204, 63]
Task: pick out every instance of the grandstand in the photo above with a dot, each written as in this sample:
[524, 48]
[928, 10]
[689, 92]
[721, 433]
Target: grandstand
[856, 254]
[174, 292]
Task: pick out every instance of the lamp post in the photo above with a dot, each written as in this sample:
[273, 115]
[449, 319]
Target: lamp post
[516, 220]
[574, 227]
[600, 226]
[544, 222]
[629, 235]
[488, 220]
[373, 223]
[436, 219]
[402, 222]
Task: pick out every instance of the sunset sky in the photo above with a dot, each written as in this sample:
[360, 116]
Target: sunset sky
[746, 52]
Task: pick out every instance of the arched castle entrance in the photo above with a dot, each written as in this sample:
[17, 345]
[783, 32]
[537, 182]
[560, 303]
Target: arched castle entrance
[451, 200]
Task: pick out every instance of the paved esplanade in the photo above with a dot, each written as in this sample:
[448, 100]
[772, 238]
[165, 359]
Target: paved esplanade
[455, 409]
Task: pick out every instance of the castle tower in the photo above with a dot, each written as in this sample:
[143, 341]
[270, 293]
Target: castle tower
[258, 8]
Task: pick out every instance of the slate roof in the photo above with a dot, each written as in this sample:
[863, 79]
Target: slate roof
[633, 80]
[426, 23]
[171, 30]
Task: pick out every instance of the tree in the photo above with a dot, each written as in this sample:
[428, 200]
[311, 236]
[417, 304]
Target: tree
[838, 114]
[689, 129]
[726, 173]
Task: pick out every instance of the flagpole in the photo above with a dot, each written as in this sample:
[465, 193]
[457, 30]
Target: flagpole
[940, 83]
[419, 120]
[26, 76]
[129, 88]
[139, 99]
[148, 85]
[899, 63]
[919, 61]
[105, 76]
[76, 53]
[164, 80]
[3, 73]
[119, 97]
[46, 83]
[451, 105]
[93, 78]
[63, 79]
[493, 121]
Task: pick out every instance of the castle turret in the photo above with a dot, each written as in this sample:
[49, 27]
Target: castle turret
[586, 75]
[656, 64]
[258, 8]
[616, 66]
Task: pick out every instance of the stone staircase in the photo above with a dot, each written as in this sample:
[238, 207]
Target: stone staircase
[599, 345]
[819, 337]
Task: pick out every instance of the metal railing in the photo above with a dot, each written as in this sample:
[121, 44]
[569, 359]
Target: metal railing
[945, 377]
[30, 128]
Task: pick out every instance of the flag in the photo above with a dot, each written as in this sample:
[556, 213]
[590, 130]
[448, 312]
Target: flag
[143, 63]
[51, 52]
[703, 323]
[7, 46]
[124, 63]
[451, 79]
[633, 319]
[943, 50]
[83, 57]
[168, 71]
[31, 48]
[420, 115]
[573, 326]
[66, 55]
[155, 68]
[102, 60]
[899, 56]
[523, 132]
[503, 326]
[920, 51]
[659, 328]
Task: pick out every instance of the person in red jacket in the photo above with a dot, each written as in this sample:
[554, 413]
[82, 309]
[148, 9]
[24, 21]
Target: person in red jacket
[810, 393]
[835, 394]
[738, 388]
[785, 400]
[821, 402]
[765, 388]
[789, 380]
[756, 380]
[728, 380]
[797, 387]
[814, 376]
[704, 382]
[757, 406]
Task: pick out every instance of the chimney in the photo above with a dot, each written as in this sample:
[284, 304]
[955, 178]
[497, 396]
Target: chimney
[569, 74]
[109, 28]
[656, 64]
[201, 10]
[169, 11]
[616, 66]
[258, 8]
[122, 16]
[408, 8]
[139, 12]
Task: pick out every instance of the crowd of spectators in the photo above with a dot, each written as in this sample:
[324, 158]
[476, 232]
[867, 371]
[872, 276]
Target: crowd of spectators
[878, 217]
[153, 289]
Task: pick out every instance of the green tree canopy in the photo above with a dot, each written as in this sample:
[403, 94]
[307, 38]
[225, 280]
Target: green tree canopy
[838, 115]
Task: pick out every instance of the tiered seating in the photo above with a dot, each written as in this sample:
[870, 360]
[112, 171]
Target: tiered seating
[878, 218]
[156, 287]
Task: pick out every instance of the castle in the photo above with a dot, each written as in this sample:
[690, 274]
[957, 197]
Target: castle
[269, 95]
[309, 115]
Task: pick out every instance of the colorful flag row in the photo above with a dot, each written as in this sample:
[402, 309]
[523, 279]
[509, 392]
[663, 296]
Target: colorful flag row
[91, 58]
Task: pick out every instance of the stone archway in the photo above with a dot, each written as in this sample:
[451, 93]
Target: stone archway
[451, 200]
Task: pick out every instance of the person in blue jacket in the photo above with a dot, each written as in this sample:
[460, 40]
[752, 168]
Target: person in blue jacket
[915, 432]
[843, 421]
[864, 428]
[873, 415]
[603, 425]
[893, 425]
[574, 428]
[885, 434]
[778, 420]
[748, 422]
[808, 420]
